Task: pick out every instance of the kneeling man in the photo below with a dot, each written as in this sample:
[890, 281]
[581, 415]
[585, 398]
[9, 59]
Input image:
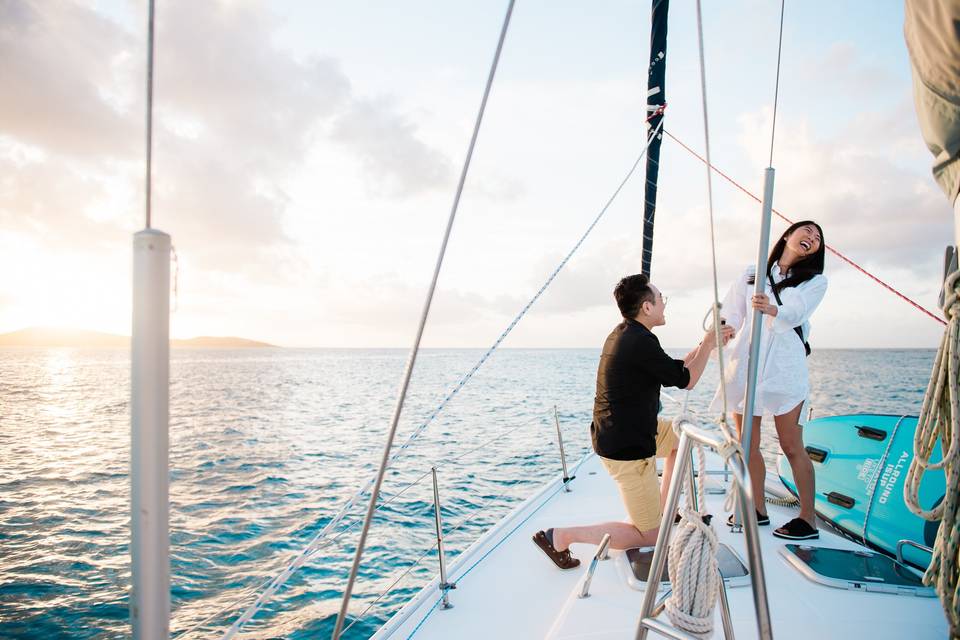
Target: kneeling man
[626, 432]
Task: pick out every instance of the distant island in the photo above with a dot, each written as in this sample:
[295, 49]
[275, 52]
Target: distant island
[50, 337]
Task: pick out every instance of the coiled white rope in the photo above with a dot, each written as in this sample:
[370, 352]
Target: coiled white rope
[692, 562]
[940, 420]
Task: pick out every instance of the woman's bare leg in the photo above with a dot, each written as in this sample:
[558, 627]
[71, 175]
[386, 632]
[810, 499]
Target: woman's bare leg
[790, 434]
[758, 470]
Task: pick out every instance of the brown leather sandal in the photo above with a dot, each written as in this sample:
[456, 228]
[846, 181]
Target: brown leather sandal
[563, 559]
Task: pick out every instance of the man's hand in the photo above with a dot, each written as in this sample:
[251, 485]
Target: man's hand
[727, 334]
[697, 359]
[710, 337]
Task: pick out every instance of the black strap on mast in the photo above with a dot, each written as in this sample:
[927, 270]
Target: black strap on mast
[656, 99]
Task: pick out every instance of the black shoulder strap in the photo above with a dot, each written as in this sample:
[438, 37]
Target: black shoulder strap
[806, 345]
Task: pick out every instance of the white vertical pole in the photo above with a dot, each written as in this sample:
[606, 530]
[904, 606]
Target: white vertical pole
[149, 417]
[759, 284]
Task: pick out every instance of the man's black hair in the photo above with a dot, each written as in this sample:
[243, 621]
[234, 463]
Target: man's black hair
[631, 292]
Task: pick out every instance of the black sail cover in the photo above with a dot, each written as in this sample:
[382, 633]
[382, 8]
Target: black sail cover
[656, 98]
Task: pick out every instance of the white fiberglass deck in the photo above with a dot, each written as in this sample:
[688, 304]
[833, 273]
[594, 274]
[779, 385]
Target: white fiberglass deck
[507, 588]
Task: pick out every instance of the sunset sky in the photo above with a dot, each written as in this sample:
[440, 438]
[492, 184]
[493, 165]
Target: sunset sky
[306, 155]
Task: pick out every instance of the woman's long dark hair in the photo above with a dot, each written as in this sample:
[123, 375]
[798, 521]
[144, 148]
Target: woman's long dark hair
[803, 269]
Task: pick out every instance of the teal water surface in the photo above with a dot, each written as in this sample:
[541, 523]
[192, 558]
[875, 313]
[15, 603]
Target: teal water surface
[266, 445]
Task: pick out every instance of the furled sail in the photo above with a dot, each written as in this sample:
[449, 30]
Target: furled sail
[656, 98]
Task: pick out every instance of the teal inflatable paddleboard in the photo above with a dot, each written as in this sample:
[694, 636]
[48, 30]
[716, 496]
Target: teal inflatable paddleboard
[861, 462]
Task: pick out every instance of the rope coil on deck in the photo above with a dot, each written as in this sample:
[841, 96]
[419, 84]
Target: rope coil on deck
[692, 562]
[940, 420]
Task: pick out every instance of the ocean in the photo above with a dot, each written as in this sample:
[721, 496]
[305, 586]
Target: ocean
[267, 444]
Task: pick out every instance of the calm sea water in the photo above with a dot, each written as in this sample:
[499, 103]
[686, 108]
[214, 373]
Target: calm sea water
[265, 447]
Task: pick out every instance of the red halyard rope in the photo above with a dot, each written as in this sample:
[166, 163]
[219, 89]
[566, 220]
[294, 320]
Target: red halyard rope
[828, 247]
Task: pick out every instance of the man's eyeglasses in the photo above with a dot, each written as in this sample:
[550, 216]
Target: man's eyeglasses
[663, 298]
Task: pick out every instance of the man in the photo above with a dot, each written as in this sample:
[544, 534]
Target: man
[626, 432]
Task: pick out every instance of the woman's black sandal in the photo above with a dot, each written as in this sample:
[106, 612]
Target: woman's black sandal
[797, 529]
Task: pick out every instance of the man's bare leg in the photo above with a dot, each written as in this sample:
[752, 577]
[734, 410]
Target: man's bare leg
[668, 464]
[623, 535]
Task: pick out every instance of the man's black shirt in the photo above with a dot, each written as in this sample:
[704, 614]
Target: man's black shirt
[633, 367]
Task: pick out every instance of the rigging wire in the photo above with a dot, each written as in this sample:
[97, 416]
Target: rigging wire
[713, 243]
[341, 616]
[776, 86]
[149, 172]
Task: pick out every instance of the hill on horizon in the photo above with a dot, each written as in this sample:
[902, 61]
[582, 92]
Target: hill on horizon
[58, 337]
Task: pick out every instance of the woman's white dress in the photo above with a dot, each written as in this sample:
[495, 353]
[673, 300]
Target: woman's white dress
[782, 381]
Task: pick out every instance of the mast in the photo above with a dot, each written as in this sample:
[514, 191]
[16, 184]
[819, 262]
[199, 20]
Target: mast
[656, 99]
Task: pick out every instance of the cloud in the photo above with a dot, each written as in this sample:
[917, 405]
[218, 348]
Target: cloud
[873, 202]
[395, 161]
[63, 204]
[235, 116]
[849, 75]
[219, 71]
[587, 280]
[61, 64]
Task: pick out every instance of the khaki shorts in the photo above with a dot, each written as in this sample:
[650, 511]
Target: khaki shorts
[637, 480]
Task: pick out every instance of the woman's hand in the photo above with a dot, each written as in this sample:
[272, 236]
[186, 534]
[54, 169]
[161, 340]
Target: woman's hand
[761, 303]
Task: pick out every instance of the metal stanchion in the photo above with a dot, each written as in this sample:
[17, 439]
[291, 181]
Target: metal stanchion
[563, 458]
[445, 586]
[692, 484]
[597, 557]
[728, 633]
[150, 440]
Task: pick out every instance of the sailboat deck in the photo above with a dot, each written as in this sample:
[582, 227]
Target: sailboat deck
[506, 588]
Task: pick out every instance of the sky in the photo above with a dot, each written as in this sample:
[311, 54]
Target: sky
[306, 156]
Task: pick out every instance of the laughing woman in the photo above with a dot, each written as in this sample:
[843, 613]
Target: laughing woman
[794, 286]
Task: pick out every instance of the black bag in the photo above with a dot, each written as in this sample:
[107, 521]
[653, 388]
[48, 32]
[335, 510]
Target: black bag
[806, 345]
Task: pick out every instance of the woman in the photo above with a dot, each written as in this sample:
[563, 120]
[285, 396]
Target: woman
[795, 275]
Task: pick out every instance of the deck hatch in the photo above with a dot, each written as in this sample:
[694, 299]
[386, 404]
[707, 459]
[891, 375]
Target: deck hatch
[855, 570]
[732, 568]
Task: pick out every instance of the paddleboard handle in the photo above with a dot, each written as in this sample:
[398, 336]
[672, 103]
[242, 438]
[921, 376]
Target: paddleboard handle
[842, 500]
[870, 433]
